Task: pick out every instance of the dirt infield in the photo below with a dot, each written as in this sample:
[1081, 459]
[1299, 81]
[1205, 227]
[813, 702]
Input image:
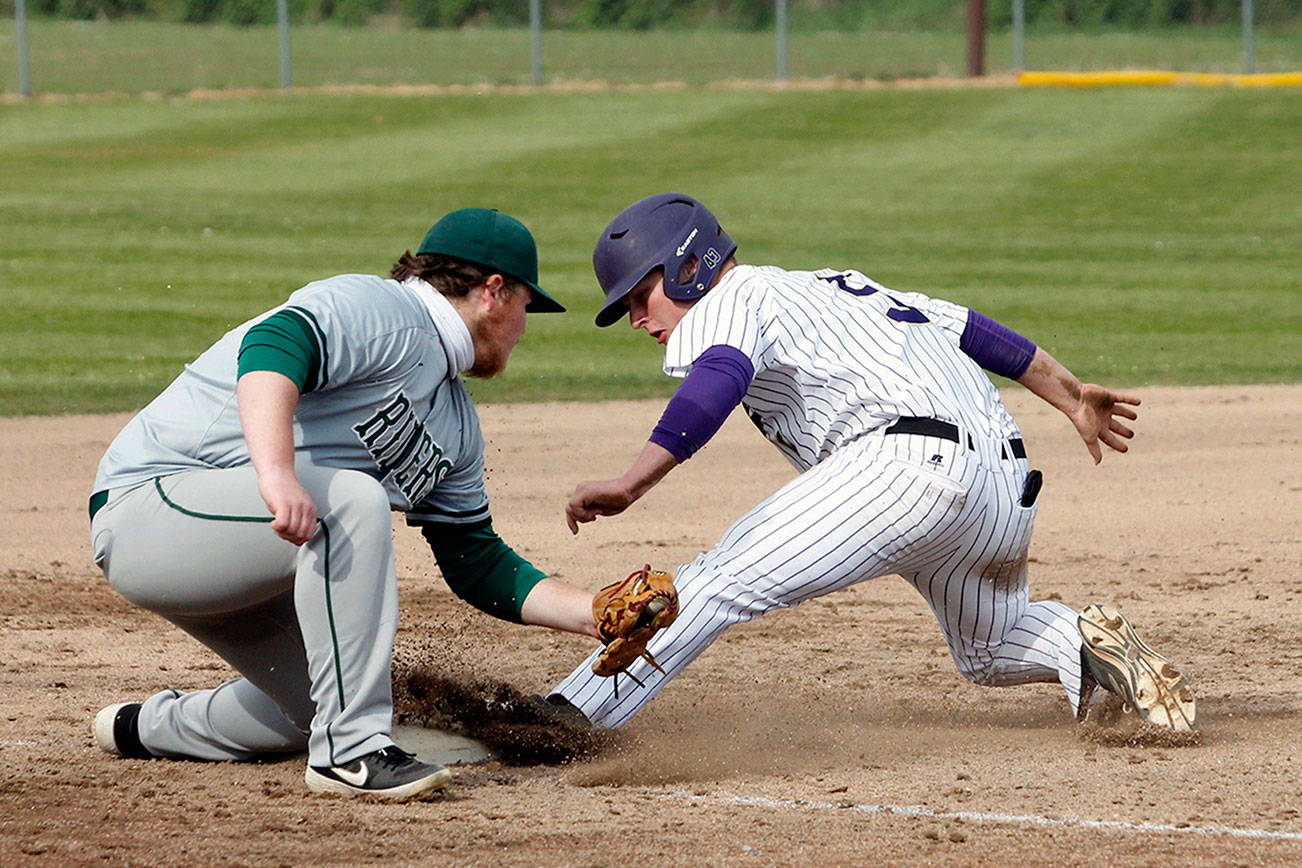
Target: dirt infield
[835, 733]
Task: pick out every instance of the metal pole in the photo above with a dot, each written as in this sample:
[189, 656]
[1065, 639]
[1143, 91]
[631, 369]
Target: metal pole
[780, 24]
[20, 21]
[1019, 35]
[535, 39]
[1249, 61]
[282, 20]
[976, 38]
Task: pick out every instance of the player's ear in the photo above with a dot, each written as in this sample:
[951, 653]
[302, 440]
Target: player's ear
[492, 291]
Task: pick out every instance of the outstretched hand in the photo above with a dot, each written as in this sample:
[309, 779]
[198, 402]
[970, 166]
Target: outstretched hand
[591, 499]
[1096, 419]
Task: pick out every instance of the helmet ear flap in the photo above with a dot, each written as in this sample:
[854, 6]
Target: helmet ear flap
[691, 266]
[708, 246]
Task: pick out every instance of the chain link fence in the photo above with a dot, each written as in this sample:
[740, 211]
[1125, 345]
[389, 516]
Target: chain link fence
[288, 46]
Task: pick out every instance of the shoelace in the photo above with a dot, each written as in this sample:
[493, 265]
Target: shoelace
[393, 757]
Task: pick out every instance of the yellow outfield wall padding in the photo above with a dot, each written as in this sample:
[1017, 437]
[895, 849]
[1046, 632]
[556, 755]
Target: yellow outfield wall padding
[1109, 78]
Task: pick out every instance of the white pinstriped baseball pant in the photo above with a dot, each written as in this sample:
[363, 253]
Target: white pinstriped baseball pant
[945, 517]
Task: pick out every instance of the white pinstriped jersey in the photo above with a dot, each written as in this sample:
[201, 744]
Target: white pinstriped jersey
[837, 355]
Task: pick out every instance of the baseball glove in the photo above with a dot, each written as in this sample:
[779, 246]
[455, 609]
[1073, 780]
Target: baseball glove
[628, 614]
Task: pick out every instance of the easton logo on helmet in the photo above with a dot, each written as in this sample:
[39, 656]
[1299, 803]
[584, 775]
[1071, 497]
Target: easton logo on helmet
[682, 248]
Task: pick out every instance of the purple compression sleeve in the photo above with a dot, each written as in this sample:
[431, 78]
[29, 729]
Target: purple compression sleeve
[716, 384]
[994, 347]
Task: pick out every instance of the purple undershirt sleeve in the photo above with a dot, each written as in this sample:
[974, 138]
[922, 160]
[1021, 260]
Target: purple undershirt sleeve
[716, 384]
[994, 347]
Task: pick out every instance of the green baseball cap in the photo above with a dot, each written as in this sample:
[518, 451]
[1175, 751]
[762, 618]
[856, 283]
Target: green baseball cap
[490, 238]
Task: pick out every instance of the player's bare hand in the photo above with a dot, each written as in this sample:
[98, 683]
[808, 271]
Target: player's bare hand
[294, 513]
[591, 499]
[1098, 416]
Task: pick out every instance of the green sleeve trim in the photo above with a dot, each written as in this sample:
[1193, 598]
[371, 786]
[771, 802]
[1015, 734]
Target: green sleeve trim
[481, 569]
[286, 343]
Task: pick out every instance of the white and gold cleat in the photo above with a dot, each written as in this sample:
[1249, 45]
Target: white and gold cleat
[1121, 662]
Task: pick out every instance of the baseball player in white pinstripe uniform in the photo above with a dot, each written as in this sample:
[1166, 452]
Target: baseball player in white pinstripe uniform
[909, 463]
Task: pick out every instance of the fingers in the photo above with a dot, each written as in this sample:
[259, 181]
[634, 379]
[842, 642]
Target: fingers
[572, 521]
[295, 523]
[1095, 451]
[1114, 443]
[577, 512]
[1120, 430]
[587, 502]
[294, 519]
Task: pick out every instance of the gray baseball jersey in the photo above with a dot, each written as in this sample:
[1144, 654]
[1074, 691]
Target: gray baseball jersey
[404, 419]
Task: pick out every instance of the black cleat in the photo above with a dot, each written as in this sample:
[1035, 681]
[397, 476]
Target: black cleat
[557, 707]
[389, 773]
[1089, 688]
[116, 731]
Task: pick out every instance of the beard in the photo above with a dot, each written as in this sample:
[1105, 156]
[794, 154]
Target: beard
[490, 356]
[484, 368]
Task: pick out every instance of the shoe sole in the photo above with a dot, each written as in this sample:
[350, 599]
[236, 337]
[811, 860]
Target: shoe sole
[319, 783]
[1146, 680]
[101, 728]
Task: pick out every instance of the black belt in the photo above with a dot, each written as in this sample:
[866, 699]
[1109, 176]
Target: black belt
[945, 431]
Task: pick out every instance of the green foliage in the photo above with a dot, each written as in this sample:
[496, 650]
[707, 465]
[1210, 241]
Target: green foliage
[86, 10]
[462, 13]
[648, 14]
[1142, 13]
[197, 11]
[1142, 235]
[351, 13]
[245, 12]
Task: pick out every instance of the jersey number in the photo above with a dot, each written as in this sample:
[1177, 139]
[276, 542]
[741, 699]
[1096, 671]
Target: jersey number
[899, 311]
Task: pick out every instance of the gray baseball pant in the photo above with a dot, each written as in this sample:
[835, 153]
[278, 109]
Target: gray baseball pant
[310, 629]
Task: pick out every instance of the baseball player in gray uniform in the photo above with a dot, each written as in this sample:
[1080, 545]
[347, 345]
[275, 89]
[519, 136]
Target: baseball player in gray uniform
[249, 504]
[909, 463]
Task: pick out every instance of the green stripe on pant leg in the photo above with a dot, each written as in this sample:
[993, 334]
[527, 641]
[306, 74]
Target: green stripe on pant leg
[158, 485]
[334, 635]
[330, 615]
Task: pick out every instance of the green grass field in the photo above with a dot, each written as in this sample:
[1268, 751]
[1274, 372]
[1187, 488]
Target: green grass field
[1142, 235]
[140, 56]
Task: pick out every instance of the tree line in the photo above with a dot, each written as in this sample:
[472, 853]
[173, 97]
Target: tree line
[852, 15]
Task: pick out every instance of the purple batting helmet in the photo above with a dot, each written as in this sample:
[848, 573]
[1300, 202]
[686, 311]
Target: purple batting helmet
[660, 231]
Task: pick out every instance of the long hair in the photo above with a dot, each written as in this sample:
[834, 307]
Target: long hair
[449, 275]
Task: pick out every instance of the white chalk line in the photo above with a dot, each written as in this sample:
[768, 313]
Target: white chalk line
[998, 819]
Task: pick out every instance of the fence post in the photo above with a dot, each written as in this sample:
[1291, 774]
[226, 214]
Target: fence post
[1019, 35]
[282, 22]
[1249, 61]
[535, 39]
[780, 25]
[976, 38]
[20, 24]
